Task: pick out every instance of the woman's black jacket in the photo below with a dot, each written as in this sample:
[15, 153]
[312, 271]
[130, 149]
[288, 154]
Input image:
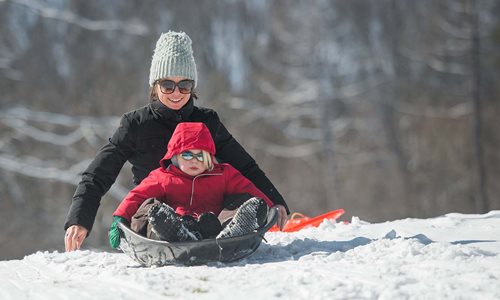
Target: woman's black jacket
[142, 139]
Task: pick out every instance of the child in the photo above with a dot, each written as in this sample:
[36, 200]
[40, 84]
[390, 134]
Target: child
[181, 201]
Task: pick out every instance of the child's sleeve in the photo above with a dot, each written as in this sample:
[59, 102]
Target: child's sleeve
[148, 188]
[236, 183]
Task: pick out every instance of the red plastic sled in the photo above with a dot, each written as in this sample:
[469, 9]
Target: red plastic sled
[299, 221]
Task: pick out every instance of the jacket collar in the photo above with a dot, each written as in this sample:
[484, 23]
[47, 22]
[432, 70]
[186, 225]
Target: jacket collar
[161, 111]
[176, 171]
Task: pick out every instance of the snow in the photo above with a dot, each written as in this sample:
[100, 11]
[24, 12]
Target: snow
[455, 256]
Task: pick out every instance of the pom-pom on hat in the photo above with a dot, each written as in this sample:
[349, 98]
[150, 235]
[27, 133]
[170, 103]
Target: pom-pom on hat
[173, 56]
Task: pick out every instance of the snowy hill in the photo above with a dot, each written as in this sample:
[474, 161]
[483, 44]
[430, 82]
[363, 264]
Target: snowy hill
[455, 256]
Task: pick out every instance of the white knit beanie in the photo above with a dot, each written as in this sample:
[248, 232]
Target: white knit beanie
[173, 56]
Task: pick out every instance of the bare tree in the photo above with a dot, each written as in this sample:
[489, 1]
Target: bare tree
[475, 66]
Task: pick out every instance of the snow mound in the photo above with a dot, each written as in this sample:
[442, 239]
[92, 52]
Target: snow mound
[451, 256]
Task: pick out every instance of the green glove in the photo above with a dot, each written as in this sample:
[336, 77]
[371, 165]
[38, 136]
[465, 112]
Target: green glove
[114, 233]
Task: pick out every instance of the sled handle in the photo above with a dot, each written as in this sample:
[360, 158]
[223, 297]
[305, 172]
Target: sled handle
[297, 215]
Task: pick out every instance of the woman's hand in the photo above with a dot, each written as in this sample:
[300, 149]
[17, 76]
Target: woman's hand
[74, 237]
[282, 216]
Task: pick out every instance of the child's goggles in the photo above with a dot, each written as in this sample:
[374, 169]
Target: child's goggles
[188, 155]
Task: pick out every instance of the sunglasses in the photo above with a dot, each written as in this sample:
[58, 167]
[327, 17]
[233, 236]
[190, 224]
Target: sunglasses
[185, 86]
[188, 155]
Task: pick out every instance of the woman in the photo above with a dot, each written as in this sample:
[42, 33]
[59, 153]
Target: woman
[143, 135]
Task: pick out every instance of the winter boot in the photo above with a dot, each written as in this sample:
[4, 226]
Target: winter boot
[250, 216]
[167, 225]
[209, 225]
[192, 226]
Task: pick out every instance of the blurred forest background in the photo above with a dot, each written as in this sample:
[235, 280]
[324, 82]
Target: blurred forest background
[388, 109]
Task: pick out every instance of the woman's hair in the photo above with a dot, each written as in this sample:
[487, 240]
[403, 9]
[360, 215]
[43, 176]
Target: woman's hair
[208, 162]
[153, 96]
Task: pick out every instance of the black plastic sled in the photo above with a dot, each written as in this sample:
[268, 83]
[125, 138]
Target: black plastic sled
[148, 252]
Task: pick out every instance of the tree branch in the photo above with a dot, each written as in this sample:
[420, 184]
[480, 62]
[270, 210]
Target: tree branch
[133, 27]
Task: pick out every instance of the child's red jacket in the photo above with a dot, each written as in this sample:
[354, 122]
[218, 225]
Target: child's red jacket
[185, 193]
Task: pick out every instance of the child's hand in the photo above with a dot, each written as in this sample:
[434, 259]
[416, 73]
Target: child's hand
[114, 233]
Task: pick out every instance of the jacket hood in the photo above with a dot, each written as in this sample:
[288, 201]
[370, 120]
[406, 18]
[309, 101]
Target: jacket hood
[187, 136]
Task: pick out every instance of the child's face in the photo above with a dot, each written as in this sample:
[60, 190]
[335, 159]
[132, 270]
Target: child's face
[190, 164]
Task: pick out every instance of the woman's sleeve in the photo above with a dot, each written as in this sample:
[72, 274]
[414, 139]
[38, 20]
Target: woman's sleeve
[236, 183]
[228, 150]
[100, 175]
[148, 188]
